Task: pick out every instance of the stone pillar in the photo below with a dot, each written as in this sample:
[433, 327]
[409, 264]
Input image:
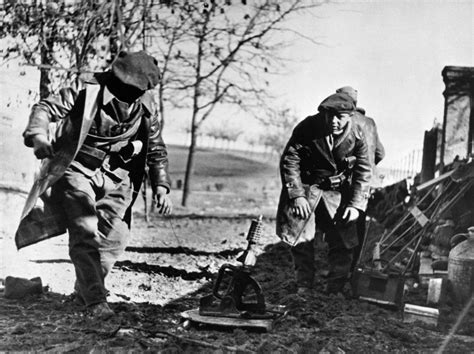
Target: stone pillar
[458, 123]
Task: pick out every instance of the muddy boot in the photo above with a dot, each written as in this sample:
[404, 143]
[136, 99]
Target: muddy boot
[78, 300]
[77, 297]
[100, 311]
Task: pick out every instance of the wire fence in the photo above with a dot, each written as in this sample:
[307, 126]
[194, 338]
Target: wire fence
[406, 167]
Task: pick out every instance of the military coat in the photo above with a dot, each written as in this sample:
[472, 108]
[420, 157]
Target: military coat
[66, 119]
[308, 159]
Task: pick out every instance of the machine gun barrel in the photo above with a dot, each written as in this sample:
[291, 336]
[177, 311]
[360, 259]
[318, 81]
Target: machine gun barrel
[249, 257]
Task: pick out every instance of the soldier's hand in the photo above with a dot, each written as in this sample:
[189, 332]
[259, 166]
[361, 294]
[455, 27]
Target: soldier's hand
[301, 207]
[350, 214]
[42, 147]
[163, 201]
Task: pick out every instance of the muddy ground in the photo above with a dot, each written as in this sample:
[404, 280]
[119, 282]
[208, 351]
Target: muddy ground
[169, 264]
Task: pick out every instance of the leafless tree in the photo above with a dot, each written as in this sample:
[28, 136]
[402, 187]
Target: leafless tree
[279, 124]
[69, 40]
[219, 53]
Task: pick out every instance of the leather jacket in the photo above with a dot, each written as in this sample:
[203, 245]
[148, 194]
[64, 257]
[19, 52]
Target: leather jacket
[307, 160]
[68, 107]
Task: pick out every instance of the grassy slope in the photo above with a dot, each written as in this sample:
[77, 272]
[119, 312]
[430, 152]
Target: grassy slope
[213, 166]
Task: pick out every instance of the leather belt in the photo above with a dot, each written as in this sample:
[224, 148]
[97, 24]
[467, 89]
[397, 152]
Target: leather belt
[91, 157]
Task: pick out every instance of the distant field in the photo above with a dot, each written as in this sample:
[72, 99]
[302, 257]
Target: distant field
[217, 166]
[222, 183]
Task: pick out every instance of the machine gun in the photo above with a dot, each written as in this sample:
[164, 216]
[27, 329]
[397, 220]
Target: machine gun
[234, 285]
[237, 299]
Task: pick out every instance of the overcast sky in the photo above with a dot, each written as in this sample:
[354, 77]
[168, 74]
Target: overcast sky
[393, 53]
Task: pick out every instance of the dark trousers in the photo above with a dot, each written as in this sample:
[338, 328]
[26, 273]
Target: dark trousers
[339, 257]
[361, 229]
[95, 208]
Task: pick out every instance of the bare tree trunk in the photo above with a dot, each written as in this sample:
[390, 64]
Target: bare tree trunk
[144, 25]
[194, 122]
[115, 40]
[161, 107]
[190, 163]
[47, 61]
[45, 82]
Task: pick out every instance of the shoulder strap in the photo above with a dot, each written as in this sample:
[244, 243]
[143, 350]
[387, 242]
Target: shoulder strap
[125, 136]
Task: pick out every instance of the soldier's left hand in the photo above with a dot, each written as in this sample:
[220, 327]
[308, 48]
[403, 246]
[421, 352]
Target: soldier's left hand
[163, 201]
[350, 214]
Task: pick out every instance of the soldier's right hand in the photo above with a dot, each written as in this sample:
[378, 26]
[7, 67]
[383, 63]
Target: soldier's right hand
[301, 207]
[42, 146]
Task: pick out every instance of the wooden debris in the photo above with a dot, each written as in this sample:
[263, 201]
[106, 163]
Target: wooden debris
[436, 291]
[194, 316]
[412, 313]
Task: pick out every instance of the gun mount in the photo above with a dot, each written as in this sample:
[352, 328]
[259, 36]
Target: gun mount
[237, 299]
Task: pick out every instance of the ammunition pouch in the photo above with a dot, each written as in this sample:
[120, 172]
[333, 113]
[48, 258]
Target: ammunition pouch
[333, 183]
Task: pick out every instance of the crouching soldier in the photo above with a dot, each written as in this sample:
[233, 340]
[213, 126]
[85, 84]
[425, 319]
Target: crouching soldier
[325, 172]
[107, 131]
